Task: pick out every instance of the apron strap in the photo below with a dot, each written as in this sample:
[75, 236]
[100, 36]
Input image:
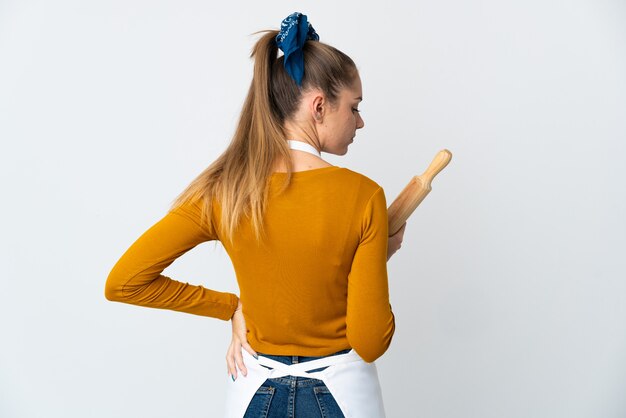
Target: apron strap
[300, 369]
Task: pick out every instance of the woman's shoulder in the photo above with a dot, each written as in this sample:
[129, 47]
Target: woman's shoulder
[361, 180]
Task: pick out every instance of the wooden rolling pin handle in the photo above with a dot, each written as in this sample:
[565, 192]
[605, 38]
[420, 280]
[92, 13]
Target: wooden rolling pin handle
[414, 192]
[440, 162]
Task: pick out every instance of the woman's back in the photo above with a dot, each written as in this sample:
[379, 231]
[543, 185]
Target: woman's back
[306, 290]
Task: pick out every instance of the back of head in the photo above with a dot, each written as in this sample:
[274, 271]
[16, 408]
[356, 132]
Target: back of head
[239, 177]
[325, 68]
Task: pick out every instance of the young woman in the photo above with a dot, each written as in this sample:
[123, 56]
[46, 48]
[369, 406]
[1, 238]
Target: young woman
[308, 241]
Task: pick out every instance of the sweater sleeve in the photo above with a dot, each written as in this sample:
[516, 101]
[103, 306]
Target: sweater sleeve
[370, 321]
[136, 277]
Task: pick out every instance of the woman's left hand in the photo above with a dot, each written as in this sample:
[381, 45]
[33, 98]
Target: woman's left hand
[395, 241]
[239, 341]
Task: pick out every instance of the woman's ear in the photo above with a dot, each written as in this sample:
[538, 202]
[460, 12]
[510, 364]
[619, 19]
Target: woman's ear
[318, 106]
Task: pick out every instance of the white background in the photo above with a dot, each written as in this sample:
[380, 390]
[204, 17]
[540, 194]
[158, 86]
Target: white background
[509, 289]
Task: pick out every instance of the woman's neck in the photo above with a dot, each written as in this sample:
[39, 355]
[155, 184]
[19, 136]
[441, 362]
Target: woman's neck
[302, 161]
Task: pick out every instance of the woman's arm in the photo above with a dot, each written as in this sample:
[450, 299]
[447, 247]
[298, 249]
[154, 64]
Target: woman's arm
[370, 321]
[136, 277]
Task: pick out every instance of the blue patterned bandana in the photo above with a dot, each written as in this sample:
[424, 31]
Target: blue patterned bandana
[294, 32]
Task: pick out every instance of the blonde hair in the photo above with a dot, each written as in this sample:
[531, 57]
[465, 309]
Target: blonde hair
[239, 178]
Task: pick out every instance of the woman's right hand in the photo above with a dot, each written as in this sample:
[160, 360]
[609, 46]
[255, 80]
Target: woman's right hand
[239, 341]
[395, 241]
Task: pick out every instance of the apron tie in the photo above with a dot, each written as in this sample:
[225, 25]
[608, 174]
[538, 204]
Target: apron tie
[300, 369]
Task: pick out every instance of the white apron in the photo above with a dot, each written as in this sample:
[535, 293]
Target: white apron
[352, 382]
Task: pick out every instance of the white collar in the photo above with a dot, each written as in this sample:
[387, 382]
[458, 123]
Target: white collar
[303, 146]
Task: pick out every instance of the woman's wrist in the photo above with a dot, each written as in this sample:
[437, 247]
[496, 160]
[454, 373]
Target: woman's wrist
[238, 308]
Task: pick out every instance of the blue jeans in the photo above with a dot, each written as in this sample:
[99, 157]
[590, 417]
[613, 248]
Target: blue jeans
[294, 396]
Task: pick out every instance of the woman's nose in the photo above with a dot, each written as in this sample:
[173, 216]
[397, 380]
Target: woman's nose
[360, 123]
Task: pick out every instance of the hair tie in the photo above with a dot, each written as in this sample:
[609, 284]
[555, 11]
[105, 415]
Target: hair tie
[294, 32]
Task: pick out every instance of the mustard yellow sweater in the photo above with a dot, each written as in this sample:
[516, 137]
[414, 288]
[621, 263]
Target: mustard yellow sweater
[317, 285]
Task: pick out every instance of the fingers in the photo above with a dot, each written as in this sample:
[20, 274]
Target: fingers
[234, 358]
[249, 349]
[239, 362]
[230, 362]
[395, 241]
[400, 234]
[400, 231]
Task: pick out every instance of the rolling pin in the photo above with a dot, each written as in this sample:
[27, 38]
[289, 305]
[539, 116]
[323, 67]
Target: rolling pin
[415, 192]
